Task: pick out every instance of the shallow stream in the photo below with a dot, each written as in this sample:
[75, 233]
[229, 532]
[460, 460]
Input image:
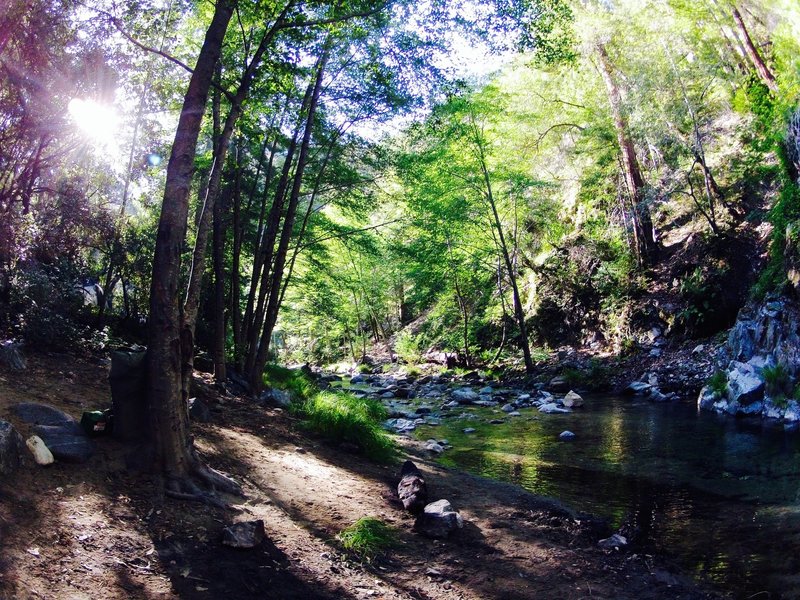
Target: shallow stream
[720, 496]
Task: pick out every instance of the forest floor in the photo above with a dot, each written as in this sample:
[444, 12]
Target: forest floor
[96, 530]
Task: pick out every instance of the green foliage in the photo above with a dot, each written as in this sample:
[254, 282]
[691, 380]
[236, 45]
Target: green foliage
[295, 381]
[776, 379]
[341, 417]
[368, 537]
[408, 347]
[718, 382]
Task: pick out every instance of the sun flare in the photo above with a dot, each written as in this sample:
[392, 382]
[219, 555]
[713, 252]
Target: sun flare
[99, 123]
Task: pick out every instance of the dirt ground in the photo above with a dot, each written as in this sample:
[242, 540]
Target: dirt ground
[96, 530]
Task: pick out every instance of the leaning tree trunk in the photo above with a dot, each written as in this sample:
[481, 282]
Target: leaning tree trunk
[763, 71]
[642, 223]
[174, 452]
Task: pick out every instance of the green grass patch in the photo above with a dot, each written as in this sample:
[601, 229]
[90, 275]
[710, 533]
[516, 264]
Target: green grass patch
[341, 417]
[297, 383]
[718, 382]
[776, 379]
[368, 537]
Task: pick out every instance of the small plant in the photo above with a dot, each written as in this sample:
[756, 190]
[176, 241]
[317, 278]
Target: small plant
[342, 417]
[367, 537]
[776, 379]
[408, 348]
[718, 382]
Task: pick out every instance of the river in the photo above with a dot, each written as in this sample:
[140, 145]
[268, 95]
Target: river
[719, 496]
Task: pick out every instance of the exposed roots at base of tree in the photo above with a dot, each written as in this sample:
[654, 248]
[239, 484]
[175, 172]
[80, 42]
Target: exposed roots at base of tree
[201, 483]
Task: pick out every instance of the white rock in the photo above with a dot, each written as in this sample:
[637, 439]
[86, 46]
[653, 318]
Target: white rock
[572, 400]
[41, 453]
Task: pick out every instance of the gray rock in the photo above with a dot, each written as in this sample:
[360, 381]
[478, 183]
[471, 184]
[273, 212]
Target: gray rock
[657, 396]
[67, 442]
[434, 446]
[515, 413]
[558, 384]
[412, 490]
[637, 388]
[552, 408]
[199, 411]
[248, 534]
[486, 403]
[387, 395]
[487, 390]
[572, 400]
[523, 397]
[566, 435]
[439, 520]
[356, 379]
[615, 542]
[754, 408]
[699, 349]
[469, 430]
[11, 449]
[423, 410]
[772, 410]
[276, 397]
[792, 412]
[400, 425]
[706, 399]
[43, 414]
[508, 408]
[744, 384]
[465, 396]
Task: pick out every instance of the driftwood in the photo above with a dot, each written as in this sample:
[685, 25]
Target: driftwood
[11, 355]
[412, 490]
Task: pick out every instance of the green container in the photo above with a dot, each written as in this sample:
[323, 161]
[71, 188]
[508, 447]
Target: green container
[97, 422]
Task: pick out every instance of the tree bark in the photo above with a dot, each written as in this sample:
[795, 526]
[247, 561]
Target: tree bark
[288, 224]
[168, 410]
[763, 71]
[644, 239]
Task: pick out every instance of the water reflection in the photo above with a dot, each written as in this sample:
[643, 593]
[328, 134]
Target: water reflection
[719, 495]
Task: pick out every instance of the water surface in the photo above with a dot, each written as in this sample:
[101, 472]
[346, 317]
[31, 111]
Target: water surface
[718, 495]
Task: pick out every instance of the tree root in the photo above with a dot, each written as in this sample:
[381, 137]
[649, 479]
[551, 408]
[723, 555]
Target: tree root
[194, 486]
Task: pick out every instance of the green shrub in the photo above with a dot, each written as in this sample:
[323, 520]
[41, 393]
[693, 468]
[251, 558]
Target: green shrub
[367, 537]
[341, 417]
[776, 379]
[408, 348]
[718, 382]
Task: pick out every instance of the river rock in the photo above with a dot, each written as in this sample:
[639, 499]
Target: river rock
[486, 390]
[566, 435]
[412, 490]
[485, 403]
[706, 399]
[572, 400]
[464, 396]
[11, 445]
[356, 379]
[552, 408]
[41, 453]
[792, 412]
[400, 425]
[615, 542]
[469, 430]
[523, 398]
[744, 384]
[434, 446]
[637, 388]
[515, 413]
[508, 408]
[439, 520]
[248, 534]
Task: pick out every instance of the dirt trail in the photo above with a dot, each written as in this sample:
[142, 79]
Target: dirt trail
[98, 531]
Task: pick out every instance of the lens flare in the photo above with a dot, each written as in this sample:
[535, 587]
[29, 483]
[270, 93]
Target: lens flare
[97, 122]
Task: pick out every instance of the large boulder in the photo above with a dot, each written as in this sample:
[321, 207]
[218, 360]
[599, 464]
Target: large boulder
[707, 398]
[43, 414]
[439, 520]
[11, 449]
[745, 386]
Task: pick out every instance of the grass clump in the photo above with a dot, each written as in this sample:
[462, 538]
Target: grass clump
[294, 381]
[341, 417]
[718, 382]
[776, 379]
[367, 537]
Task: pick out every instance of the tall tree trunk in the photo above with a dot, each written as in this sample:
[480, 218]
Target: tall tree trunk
[763, 71]
[642, 223]
[218, 256]
[168, 410]
[519, 312]
[273, 306]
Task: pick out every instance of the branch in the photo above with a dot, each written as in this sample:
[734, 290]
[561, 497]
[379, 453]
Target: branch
[549, 129]
[347, 233]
